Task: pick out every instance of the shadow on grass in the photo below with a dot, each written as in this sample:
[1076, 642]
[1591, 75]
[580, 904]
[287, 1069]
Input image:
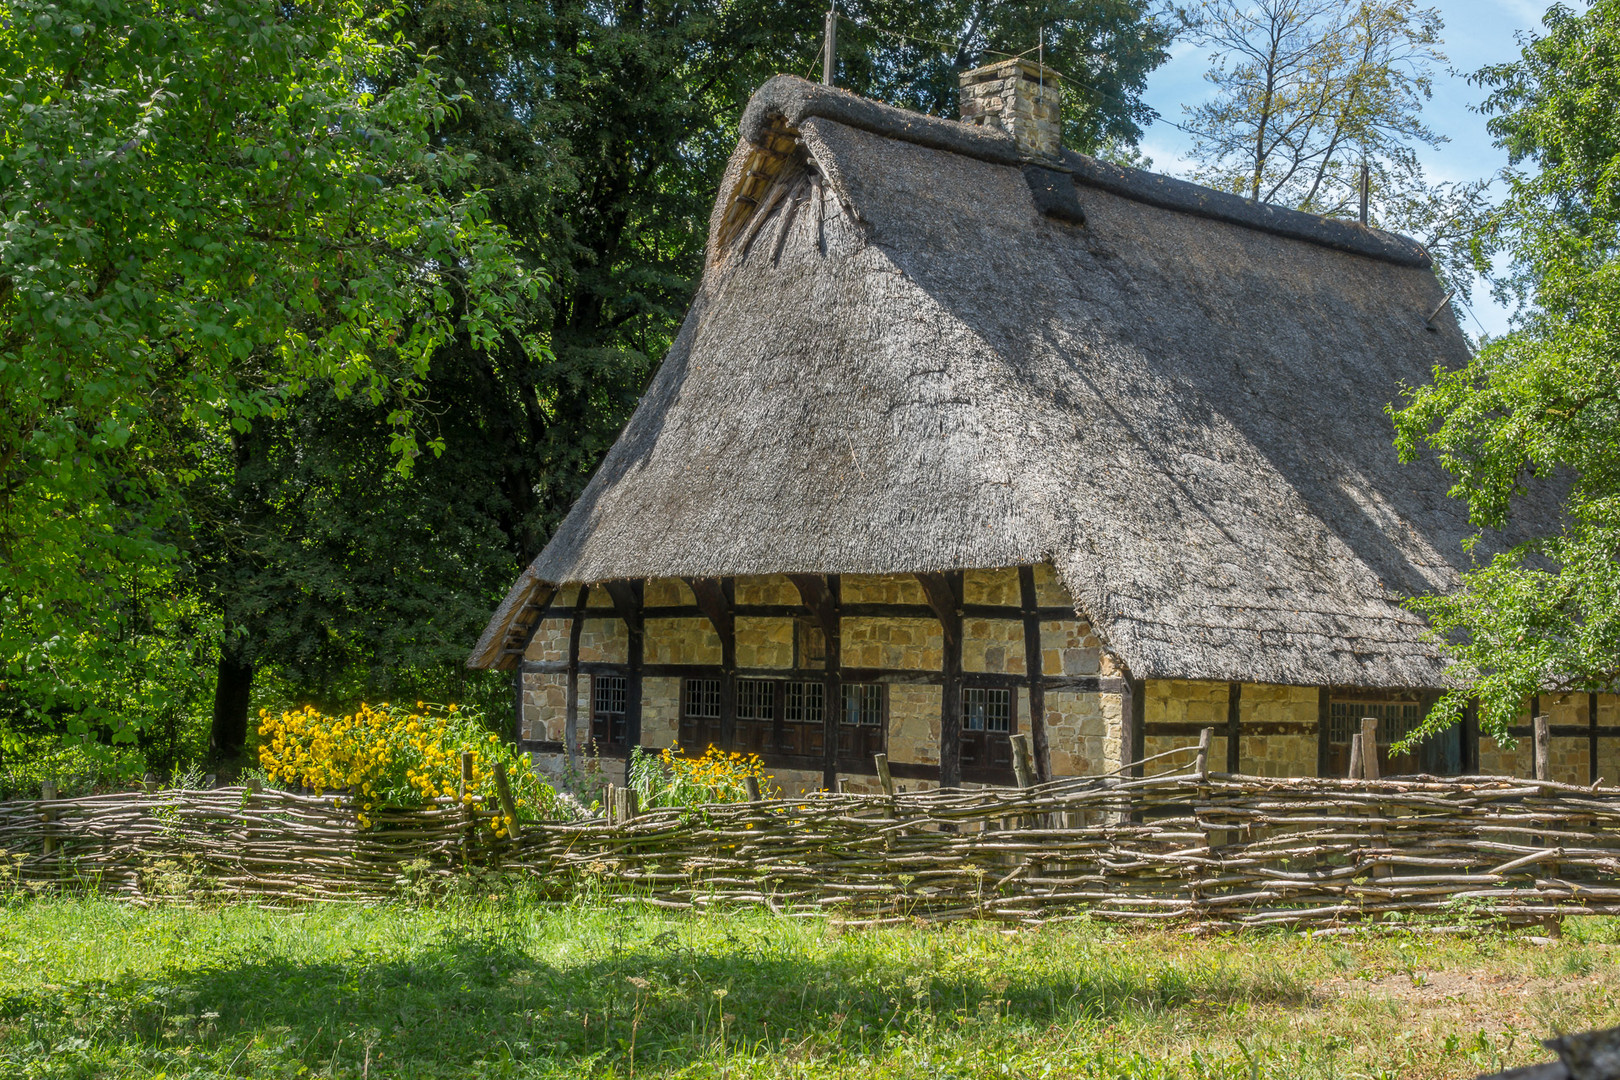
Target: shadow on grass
[481, 1003]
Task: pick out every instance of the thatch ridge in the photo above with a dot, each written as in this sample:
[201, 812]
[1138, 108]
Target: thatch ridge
[900, 363]
[794, 100]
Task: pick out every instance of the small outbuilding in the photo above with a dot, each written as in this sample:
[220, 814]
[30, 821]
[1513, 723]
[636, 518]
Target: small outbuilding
[967, 435]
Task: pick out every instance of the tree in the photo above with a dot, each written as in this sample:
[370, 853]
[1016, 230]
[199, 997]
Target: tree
[597, 134]
[205, 208]
[1310, 91]
[1538, 411]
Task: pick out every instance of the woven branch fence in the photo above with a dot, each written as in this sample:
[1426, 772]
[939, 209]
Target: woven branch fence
[1221, 850]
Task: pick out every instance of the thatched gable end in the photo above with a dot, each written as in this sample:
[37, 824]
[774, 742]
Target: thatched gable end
[901, 359]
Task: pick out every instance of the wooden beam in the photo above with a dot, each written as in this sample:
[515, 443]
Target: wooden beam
[627, 601]
[1132, 722]
[1033, 670]
[1324, 725]
[944, 592]
[716, 598]
[821, 596]
[571, 709]
[1234, 726]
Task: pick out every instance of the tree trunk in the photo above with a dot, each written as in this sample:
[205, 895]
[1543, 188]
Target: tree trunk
[231, 692]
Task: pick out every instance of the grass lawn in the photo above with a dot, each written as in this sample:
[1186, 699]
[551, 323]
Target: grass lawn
[92, 989]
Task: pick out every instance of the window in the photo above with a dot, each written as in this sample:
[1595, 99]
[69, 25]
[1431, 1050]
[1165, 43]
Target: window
[1396, 720]
[703, 698]
[756, 715]
[804, 718]
[862, 726]
[986, 710]
[863, 705]
[756, 699]
[608, 696]
[700, 714]
[987, 723]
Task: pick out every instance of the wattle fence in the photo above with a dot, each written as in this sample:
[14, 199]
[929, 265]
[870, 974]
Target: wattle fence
[1219, 850]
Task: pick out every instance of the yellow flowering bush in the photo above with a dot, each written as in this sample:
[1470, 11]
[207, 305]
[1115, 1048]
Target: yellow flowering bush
[394, 756]
[669, 778]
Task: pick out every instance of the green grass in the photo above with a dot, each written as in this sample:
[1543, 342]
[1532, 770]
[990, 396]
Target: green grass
[89, 988]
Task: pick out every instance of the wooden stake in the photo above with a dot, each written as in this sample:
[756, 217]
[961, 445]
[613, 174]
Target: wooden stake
[1542, 747]
[752, 784]
[1023, 756]
[47, 793]
[1354, 772]
[1369, 748]
[1205, 737]
[882, 763]
[503, 791]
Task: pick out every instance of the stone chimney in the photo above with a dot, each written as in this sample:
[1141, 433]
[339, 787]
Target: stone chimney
[1019, 97]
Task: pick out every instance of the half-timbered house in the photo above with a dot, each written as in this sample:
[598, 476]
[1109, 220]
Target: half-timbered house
[967, 435]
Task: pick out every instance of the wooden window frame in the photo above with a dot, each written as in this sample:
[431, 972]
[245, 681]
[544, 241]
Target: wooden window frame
[698, 731]
[987, 753]
[609, 719]
[859, 741]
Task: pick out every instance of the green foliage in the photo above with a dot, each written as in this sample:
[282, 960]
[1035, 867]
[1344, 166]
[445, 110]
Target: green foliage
[1540, 408]
[204, 208]
[464, 989]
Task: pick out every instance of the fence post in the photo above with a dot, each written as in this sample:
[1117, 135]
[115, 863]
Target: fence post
[625, 804]
[503, 790]
[47, 843]
[1368, 740]
[1354, 771]
[149, 783]
[1541, 747]
[882, 762]
[255, 786]
[751, 782]
[1206, 738]
[1369, 748]
[1023, 760]
[1541, 760]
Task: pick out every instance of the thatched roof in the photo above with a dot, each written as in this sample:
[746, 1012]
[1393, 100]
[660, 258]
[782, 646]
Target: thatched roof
[913, 350]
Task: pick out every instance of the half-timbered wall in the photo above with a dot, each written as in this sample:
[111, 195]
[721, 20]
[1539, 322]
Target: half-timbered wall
[937, 646]
[973, 637]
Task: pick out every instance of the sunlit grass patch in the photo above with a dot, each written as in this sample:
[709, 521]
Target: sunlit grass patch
[92, 988]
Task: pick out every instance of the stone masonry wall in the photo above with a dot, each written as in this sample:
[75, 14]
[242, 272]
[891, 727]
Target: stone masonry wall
[1205, 704]
[1082, 727]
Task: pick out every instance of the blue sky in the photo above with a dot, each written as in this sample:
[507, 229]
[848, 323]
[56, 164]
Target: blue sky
[1477, 32]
